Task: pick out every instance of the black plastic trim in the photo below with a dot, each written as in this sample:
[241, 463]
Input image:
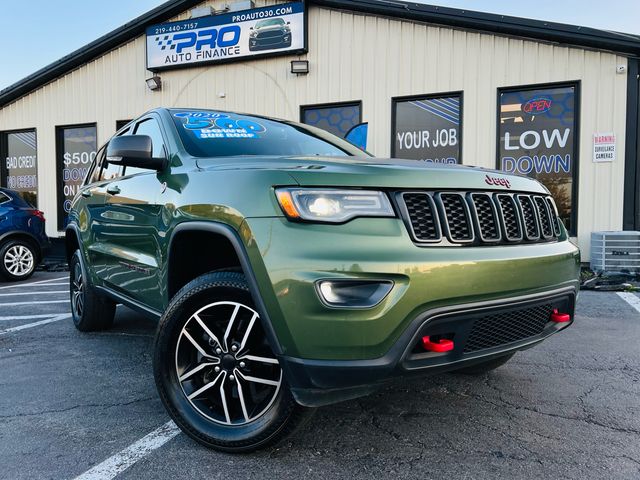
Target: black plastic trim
[321, 382]
[232, 235]
[503, 223]
[406, 218]
[129, 302]
[476, 216]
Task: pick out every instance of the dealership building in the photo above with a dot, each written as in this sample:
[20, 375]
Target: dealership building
[432, 84]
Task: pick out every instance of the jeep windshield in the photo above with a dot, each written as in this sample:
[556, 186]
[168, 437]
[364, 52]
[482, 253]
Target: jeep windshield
[273, 22]
[222, 134]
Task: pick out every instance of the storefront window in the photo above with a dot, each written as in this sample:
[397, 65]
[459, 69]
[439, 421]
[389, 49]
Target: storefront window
[428, 128]
[77, 147]
[538, 138]
[122, 123]
[338, 118]
[19, 169]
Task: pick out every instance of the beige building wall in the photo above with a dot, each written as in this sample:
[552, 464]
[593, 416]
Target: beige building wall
[352, 57]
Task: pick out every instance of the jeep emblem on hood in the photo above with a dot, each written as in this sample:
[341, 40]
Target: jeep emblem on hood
[497, 181]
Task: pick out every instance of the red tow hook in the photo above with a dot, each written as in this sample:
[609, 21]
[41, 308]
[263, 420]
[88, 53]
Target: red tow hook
[558, 317]
[442, 345]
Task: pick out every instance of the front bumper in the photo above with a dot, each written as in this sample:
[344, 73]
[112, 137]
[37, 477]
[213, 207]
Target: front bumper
[321, 382]
[267, 43]
[289, 258]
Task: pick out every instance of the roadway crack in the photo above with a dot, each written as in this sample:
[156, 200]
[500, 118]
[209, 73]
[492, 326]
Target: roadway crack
[75, 407]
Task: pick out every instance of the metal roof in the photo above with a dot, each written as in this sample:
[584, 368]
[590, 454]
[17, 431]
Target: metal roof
[622, 43]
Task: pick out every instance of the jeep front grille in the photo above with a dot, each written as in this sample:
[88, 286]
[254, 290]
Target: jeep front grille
[479, 218]
[423, 217]
[507, 327]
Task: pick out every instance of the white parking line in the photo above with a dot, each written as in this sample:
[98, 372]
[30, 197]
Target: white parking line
[17, 304]
[631, 299]
[32, 293]
[57, 318]
[15, 285]
[25, 317]
[122, 460]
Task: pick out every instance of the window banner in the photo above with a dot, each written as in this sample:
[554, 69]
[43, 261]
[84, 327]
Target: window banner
[428, 129]
[77, 148]
[275, 30]
[20, 164]
[537, 139]
[338, 118]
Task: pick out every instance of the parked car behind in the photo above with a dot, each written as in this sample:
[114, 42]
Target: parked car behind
[22, 236]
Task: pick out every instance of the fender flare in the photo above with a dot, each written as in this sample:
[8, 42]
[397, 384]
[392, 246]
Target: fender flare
[233, 236]
[72, 229]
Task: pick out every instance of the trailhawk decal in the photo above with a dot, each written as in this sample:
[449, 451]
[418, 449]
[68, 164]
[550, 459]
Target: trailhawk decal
[219, 125]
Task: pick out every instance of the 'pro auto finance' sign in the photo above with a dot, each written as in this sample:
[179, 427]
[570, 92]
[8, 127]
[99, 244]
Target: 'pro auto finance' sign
[279, 29]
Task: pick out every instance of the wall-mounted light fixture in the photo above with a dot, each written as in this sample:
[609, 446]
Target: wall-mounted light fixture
[300, 67]
[154, 83]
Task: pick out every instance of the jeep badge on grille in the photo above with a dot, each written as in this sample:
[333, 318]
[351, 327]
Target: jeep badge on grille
[497, 181]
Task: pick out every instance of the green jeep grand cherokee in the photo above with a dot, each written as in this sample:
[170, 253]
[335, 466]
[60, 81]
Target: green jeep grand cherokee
[288, 269]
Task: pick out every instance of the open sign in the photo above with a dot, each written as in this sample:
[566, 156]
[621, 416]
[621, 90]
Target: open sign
[537, 106]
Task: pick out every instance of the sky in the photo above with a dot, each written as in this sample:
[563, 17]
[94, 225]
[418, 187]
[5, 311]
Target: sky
[35, 33]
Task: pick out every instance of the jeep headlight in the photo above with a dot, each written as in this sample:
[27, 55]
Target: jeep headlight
[333, 206]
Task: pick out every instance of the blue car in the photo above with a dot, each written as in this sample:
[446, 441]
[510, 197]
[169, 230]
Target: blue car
[22, 236]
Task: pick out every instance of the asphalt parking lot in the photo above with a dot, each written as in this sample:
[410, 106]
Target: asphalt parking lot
[569, 408]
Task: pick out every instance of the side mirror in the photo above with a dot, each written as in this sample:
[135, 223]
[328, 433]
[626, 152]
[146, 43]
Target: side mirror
[288, 23]
[134, 151]
[251, 28]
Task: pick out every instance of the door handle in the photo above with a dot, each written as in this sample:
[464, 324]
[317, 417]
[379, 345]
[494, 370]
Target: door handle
[86, 193]
[113, 190]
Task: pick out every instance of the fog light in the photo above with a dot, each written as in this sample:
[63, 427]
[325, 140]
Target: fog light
[353, 293]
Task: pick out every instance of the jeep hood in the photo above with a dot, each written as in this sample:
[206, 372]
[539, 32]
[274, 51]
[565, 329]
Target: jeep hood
[377, 173]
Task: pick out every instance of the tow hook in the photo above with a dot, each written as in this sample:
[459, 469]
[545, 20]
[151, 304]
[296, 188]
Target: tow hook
[558, 317]
[440, 345]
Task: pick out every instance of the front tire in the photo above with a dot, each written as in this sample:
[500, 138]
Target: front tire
[18, 260]
[90, 311]
[215, 372]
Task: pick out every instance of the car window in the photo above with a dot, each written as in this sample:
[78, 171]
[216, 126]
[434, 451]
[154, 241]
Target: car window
[4, 198]
[225, 134]
[151, 128]
[275, 22]
[94, 171]
[108, 171]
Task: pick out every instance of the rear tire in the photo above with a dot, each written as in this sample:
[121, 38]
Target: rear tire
[215, 372]
[91, 312]
[484, 367]
[18, 260]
